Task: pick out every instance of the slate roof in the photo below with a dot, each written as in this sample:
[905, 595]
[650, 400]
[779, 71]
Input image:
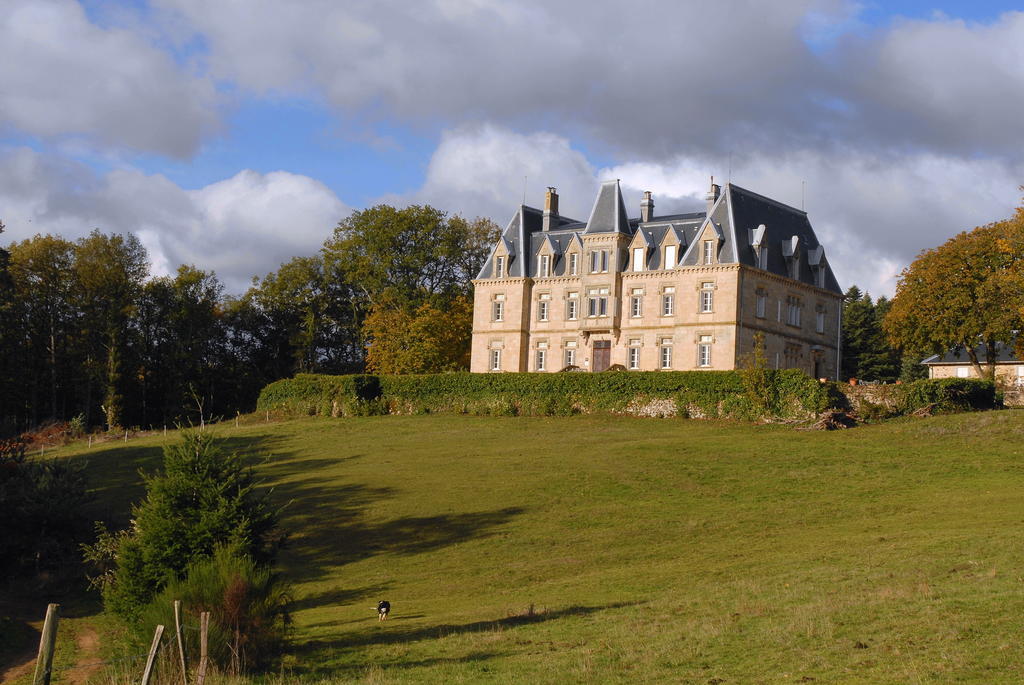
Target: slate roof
[740, 218]
[958, 355]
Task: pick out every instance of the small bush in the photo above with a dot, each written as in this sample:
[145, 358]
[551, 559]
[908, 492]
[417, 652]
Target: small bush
[248, 605]
[948, 394]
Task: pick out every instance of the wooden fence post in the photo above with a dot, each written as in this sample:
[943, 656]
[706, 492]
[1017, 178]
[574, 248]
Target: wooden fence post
[181, 642]
[204, 628]
[153, 649]
[44, 662]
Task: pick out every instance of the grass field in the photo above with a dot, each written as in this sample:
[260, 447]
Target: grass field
[607, 549]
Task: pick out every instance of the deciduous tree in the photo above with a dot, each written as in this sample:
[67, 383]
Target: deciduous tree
[424, 340]
[964, 293]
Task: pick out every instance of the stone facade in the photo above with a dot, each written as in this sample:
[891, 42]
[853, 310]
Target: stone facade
[681, 292]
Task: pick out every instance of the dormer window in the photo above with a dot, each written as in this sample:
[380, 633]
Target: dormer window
[544, 268]
[794, 266]
[499, 267]
[574, 263]
[638, 258]
[671, 258]
[709, 252]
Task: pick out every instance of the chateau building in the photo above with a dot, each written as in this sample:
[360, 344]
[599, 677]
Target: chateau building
[678, 292]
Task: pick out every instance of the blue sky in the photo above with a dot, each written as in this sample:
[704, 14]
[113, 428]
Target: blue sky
[236, 135]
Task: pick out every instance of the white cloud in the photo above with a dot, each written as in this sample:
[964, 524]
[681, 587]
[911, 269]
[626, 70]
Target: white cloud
[243, 226]
[872, 213]
[649, 80]
[63, 76]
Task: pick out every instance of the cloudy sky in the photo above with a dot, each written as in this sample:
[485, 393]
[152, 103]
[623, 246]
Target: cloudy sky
[235, 134]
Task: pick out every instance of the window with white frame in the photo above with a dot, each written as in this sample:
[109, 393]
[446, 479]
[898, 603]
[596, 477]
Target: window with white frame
[574, 263]
[572, 306]
[709, 252]
[498, 308]
[638, 258]
[495, 360]
[707, 297]
[636, 303]
[499, 267]
[542, 360]
[544, 307]
[963, 372]
[597, 302]
[671, 256]
[599, 261]
[793, 310]
[634, 353]
[570, 353]
[704, 350]
[819, 319]
[761, 303]
[668, 301]
[544, 268]
[665, 353]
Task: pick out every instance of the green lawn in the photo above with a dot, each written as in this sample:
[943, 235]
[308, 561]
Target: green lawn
[649, 550]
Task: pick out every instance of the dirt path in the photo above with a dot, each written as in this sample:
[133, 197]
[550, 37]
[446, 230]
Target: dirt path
[23, 666]
[87, 661]
[87, 641]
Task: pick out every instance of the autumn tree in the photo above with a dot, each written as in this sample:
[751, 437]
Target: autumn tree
[410, 271]
[963, 293]
[427, 339]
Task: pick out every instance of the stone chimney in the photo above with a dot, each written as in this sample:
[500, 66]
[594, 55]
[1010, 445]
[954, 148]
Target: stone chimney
[713, 193]
[647, 207]
[550, 207]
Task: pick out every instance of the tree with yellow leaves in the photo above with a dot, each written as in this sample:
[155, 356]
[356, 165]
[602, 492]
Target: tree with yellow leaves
[967, 292]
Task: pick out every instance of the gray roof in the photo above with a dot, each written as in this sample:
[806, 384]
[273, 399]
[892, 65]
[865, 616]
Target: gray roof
[958, 355]
[740, 217]
[609, 212]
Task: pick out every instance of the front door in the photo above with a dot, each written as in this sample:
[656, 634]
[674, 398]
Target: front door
[602, 354]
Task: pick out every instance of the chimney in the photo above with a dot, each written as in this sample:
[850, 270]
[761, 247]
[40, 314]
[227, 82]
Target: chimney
[647, 207]
[550, 207]
[713, 194]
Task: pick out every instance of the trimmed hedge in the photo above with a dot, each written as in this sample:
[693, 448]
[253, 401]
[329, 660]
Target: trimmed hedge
[684, 393]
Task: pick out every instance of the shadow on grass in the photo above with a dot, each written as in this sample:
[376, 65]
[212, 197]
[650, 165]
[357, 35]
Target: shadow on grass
[338, 596]
[114, 471]
[388, 634]
[324, 518]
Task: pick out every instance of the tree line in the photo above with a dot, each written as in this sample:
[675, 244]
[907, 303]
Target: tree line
[84, 332]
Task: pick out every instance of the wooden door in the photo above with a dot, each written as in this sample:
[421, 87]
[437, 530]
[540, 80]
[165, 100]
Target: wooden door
[602, 354]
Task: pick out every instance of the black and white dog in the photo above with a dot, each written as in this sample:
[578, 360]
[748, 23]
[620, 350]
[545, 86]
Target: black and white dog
[383, 609]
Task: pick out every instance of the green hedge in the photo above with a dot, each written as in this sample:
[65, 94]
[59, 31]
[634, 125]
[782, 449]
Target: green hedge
[947, 394]
[874, 402]
[686, 393]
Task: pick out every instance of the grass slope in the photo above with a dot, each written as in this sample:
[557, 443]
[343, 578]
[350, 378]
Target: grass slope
[650, 550]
